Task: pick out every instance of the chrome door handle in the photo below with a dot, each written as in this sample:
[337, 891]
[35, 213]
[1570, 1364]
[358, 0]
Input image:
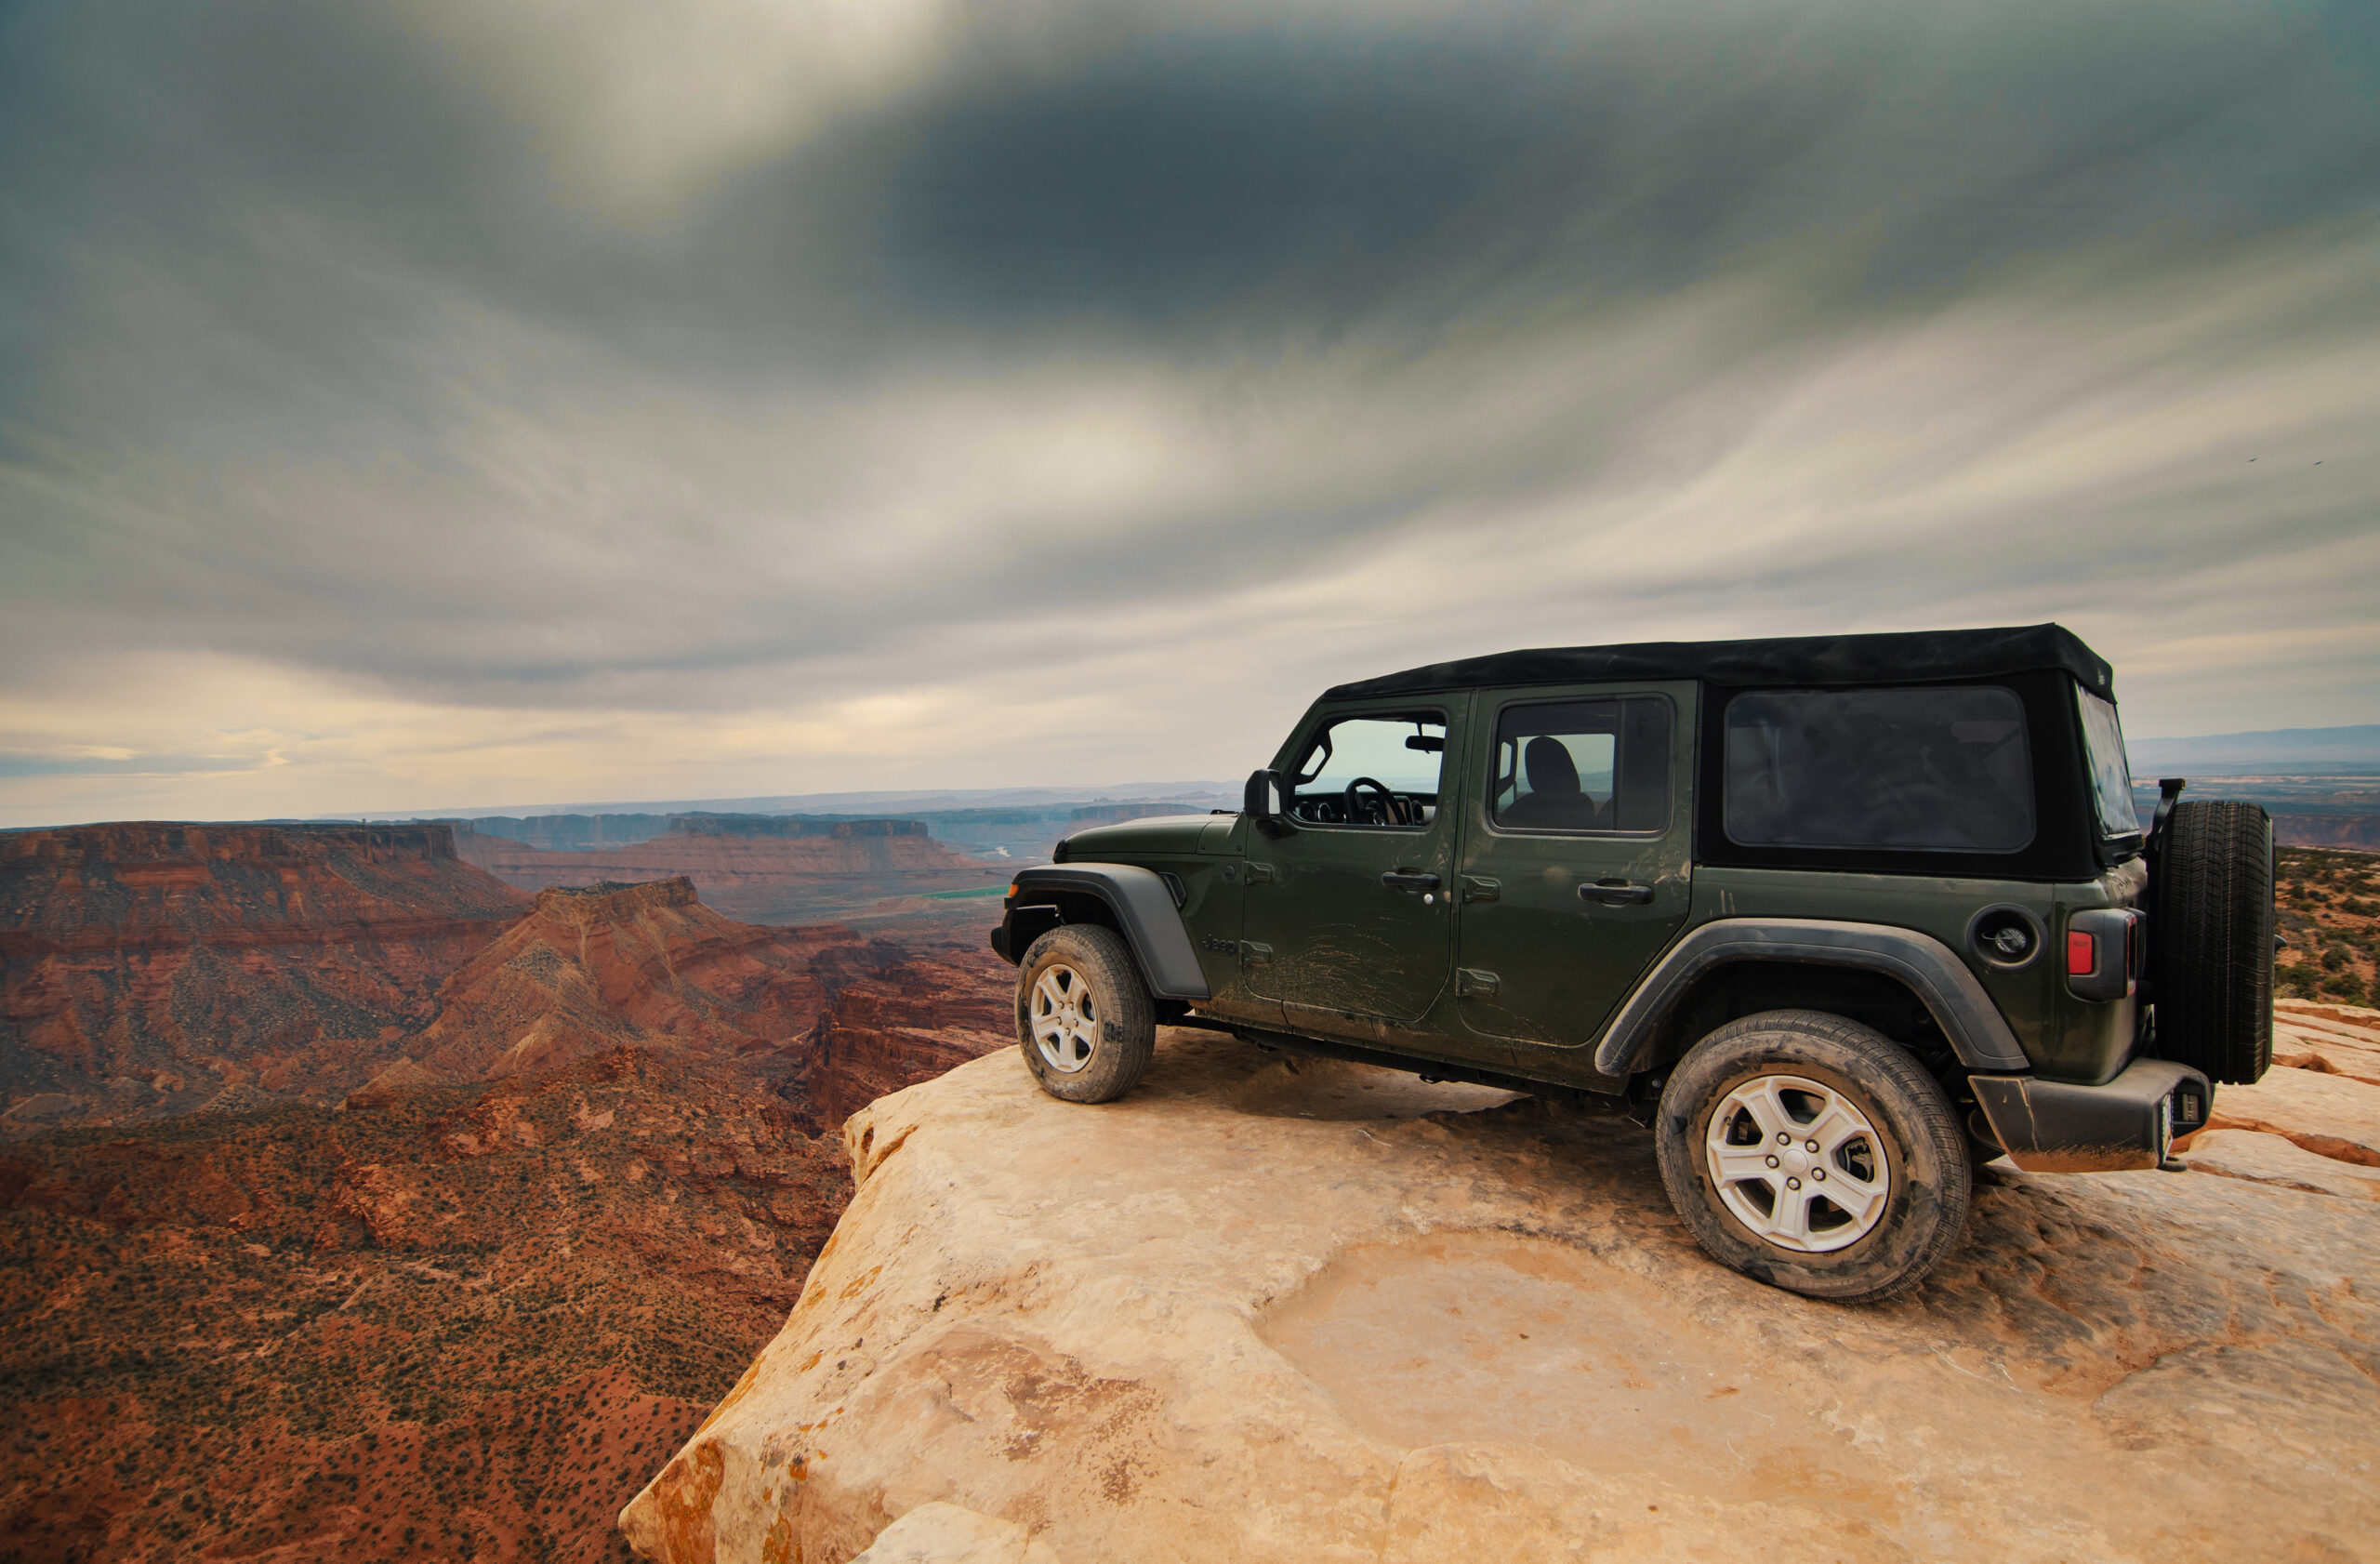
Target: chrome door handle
[1616, 893]
[1399, 879]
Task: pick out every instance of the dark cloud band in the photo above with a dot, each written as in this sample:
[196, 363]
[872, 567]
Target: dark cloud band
[494, 361]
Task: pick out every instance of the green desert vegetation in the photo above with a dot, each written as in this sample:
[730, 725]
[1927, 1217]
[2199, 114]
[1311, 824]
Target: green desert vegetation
[2328, 914]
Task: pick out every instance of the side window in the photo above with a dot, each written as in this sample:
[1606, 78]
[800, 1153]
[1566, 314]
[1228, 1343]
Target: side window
[1371, 771]
[1939, 770]
[1583, 766]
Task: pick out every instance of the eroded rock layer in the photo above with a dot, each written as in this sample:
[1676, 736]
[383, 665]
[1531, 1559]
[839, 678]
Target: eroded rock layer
[457, 1321]
[648, 965]
[150, 969]
[1268, 1310]
[460, 1286]
[645, 965]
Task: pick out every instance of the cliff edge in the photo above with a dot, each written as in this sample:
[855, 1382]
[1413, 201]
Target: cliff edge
[1266, 1309]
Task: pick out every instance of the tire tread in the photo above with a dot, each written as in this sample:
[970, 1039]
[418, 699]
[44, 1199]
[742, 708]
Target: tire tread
[1106, 962]
[1930, 1118]
[2211, 940]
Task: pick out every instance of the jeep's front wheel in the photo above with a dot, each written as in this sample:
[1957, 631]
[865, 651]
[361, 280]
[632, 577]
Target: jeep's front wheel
[1811, 1153]
[1084, 1019]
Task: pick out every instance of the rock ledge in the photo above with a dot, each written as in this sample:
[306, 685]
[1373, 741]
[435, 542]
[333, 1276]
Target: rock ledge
[1271, 1310]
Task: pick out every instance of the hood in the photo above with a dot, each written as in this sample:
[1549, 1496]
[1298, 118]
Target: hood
[1158, 833]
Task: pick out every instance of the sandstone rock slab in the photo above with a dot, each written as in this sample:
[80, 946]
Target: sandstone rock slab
[940, 1533]
[2268, 1159]
[2329, 1115]
[1184, 1327]
[2331, 1038]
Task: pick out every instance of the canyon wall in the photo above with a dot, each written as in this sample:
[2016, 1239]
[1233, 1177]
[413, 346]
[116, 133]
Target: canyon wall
[457, 1308]
[648, 965]
[645, 965]
[150, 969]
[900, 1016]
[565, 831]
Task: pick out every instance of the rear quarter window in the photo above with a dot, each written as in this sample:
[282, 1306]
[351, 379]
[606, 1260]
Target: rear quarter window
[1920, 770]
[2111, 771]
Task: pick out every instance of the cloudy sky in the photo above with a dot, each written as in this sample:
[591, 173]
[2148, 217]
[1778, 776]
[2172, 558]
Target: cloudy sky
[416, 403]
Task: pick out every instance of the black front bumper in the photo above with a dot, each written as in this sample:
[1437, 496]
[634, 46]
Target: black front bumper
[2054, 1126]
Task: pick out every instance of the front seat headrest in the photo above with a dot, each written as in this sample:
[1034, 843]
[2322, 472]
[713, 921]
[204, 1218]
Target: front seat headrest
[1550, 768]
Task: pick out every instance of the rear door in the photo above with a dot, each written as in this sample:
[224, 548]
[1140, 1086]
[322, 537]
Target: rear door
[1575, 868]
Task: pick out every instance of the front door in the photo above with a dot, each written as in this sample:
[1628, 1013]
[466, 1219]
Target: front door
[1345, 921]
[1576, 867]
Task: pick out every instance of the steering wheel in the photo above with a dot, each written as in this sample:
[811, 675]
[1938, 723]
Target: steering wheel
[1392, 809]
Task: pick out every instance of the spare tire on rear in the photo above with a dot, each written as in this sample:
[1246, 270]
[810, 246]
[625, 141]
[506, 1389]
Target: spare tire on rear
[2209, 939]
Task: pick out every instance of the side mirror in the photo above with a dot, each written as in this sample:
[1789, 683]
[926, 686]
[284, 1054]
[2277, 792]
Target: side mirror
[1264, 802]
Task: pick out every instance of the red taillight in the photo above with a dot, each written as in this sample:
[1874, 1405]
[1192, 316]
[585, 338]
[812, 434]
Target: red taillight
[2082, 954]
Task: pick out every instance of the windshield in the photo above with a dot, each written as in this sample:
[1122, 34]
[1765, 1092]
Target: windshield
[1382, 748]
[2111, 774]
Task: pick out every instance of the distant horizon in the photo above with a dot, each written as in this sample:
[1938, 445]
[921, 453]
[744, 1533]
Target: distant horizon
[921, 800]
[2368, 731]
[2350, 751]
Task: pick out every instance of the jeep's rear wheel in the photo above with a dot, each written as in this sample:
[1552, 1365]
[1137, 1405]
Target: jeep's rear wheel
[2209, 940]
[1084, 1019]
[1813, 1154]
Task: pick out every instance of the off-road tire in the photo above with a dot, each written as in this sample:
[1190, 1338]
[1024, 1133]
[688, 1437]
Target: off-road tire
[1123, 1033]
[1926, 1178]
[2209, 939]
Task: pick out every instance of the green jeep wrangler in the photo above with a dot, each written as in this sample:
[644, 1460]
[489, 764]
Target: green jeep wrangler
[1839, 917]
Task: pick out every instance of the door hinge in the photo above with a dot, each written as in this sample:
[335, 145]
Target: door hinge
[1472, 980]
[1477, 888]
[1255, 955]
[1260, 874]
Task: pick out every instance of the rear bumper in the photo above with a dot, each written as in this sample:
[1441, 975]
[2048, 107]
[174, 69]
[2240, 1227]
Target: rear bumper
[2052, 1126]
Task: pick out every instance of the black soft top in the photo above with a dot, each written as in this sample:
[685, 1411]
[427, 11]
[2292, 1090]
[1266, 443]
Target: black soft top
[1913, 657]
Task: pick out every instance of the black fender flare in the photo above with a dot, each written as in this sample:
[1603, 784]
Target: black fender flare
[1144, 915]
[1927, 967]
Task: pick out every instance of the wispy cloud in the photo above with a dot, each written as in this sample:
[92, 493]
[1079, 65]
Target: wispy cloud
[914, 394]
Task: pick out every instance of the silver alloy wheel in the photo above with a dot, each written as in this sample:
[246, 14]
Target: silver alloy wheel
[1065, 1019]
[1797, 1163]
